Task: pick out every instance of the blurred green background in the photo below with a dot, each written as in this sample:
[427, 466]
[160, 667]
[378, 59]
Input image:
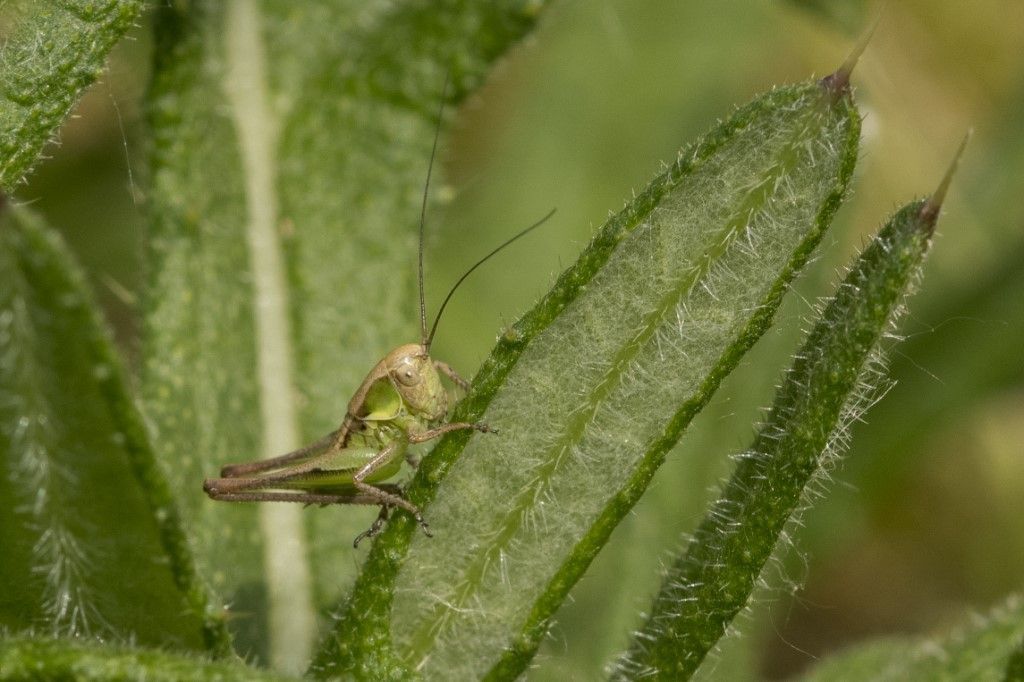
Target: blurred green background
[925, 520]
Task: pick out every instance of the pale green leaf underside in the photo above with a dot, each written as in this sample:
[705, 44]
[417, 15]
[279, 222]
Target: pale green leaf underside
[595, 390]
[51, 50]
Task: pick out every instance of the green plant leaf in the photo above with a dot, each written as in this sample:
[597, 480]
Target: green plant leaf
[288, 166]
[88, 527]
[592, 388]
[1015, 666]
[24, 658]
[986, 319]
[51, 51]
[975, 652]
[832, 381]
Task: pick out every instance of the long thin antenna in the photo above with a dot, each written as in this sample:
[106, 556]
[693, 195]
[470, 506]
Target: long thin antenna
[423, 209]
[480, 262]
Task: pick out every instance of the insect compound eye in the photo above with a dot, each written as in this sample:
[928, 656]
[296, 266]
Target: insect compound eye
[407, 375]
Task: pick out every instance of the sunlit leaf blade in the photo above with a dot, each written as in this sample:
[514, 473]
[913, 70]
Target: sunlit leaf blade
[979, 651]
[51, 51]
[88, 527]
[590, 390]
[834, 378]
[55, 659]
[288, 165]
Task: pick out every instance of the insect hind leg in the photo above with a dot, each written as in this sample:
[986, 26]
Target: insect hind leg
[385, 497]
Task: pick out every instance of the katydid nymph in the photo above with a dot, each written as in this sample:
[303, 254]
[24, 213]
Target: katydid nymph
[402, 401]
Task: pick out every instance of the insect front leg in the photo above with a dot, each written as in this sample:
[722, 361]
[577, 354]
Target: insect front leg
[430, 434]
[384, 497]
[447, 370]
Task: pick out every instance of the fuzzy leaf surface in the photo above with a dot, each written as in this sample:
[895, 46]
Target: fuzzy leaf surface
[51, 51]
[88, 527]
[834, 378]
[55, 659]
[590, 390]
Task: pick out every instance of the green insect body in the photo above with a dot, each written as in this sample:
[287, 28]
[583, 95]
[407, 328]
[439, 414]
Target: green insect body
[402, 401]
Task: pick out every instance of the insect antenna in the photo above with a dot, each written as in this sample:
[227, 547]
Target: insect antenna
[444, 304]
[423, 211]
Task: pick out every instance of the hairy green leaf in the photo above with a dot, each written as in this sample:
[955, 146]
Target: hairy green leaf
[592, 388]
[88, 526]
[834, 378]
[52, 49]
[987, 319]
[55, 659]
[976, 652]
[288, 164]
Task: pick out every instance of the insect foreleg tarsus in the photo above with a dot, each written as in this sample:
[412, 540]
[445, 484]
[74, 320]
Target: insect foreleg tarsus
[430, 434]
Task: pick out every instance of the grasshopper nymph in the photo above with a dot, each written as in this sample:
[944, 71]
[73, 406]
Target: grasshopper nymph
[400, 402]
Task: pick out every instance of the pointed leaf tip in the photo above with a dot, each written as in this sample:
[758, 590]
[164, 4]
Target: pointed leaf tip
[839, 81]
[930, 210]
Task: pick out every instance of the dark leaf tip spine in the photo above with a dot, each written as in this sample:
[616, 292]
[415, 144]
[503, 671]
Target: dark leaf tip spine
[930, 211]
[838, 83]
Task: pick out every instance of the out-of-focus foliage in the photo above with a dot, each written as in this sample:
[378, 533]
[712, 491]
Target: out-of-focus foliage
[981, 650]
[39, 658]
[85, 505]
[925, 520]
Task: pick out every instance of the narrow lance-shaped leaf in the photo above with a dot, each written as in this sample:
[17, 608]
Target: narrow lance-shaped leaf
[593, 387]
[833, 380]
[51, 51]
[25, 658]
[994, 364]
[198, 356]
[979, 651]
[88, 526]
[288, 168]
